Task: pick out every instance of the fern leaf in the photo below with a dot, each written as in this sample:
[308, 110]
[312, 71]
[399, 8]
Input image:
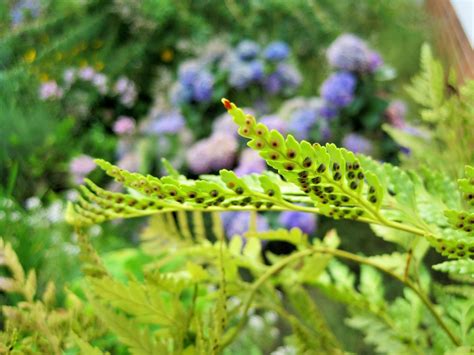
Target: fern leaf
[460, 267]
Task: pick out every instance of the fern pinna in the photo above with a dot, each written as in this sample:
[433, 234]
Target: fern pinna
[415, 211]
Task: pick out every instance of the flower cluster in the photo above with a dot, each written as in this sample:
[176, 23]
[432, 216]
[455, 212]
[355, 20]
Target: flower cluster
[352, 59]
[124, 88]
[23, 10]
[246, 65]
[238, 223]
[213, 153]
[80, 166]
[350, 53]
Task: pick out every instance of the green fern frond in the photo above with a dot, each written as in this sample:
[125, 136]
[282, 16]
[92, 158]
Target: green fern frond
[332, 177]
[459, 267]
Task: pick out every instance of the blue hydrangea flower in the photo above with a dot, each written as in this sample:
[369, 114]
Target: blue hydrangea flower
[349, 52]
[338, 90]
[203, 87]
[188, 72]
[258, 69]
[240, 75]
[290, 76]
[304, 221]
[247, 50]
[357, 143]
[24, 9]
[167, 123]
[277, 51]
[250, 162]
[302, 121]
[375, 61]
[180, 94]
[237, 223]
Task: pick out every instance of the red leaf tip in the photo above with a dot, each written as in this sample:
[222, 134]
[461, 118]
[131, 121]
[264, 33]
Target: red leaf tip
[227, 104]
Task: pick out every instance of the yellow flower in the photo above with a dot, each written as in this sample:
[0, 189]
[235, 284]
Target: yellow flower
[43, 77]
[167, 55]
[30, 56]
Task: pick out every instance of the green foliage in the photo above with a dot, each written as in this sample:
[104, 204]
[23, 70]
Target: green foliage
[413, 211]
[443, 140]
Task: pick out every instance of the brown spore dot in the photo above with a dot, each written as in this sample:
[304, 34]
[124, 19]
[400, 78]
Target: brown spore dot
[274, 156]
[274, 144]
[213, 193]
[307, 162]
[239, 190]
[258, 204]
[303, 174]
[345, 199]
[337, 176]
[348, 166]
[231, 184]
[329, 189]
[173, 193]
[336, 166]
[269, 204]
[461, 254]
[373, 199]
[316, 180]
[332, 197]
[291, 154]
[199, 200]
[270, 192]
[353, 185]
[321, 168]
[355, 165]
[350, 175]
[192, 194]
[289, 166]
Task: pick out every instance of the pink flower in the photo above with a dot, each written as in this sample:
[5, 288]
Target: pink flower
[50, 90]
[80, 167]
[87, 73]
[124, 125]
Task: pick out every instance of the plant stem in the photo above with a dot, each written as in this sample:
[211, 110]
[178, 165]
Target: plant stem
[276, 268]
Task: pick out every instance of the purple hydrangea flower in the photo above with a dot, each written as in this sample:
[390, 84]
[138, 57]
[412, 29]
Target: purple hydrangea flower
[213, 153]
[124, 125]
[304, 221]
[375, 61]
[250, 162]
[247, 50]
[80, 167]
[273, 83]
[275, 122]
[257, 69]
[327, 111]
[357, 143]
[203, 87]
[225, 124]
[50, 90]
[69, 76]
[168, 122]
[237, 223]
[277, 51]
[338, 90]
[349, 52]
[395, 114]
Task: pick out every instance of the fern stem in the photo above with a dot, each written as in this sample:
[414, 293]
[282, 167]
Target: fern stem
[276, 268]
